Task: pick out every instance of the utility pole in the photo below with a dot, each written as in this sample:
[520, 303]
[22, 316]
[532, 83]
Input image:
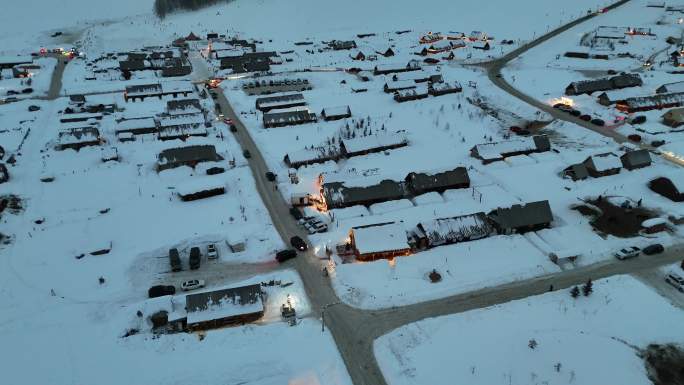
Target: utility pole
[323, 313]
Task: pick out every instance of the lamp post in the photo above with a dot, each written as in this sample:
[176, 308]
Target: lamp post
[323, 313]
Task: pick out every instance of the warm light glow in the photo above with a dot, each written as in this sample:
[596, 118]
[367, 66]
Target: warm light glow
[392, 262]
[563, 100]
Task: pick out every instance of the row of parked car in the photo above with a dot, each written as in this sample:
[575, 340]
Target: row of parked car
[578, 114]
[194, 259]
[162, 290]
[672, 278]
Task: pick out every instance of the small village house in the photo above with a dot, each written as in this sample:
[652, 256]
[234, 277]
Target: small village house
[605, 84]
[363, 145]
[603, 165]
[379, 241]
[522, 218]
[633, 160]
[267, 103]
[288, 118]
[337, 195]
[200, 188]
[78, 137]
[674, 117]
[576, 172]
[496, 151]
[444, 231]
[336, 113]
[654, 102]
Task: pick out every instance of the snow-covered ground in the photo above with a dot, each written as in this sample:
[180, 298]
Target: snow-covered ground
[70, 339]
[588, 340]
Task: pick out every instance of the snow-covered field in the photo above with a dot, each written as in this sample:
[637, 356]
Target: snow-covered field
[588, 340]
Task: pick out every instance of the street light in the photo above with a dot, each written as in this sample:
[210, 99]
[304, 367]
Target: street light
[323, 313]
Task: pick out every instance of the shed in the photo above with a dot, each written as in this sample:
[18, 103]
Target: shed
[674, 117]
[632, 160]
[603, 165]
[576, 172]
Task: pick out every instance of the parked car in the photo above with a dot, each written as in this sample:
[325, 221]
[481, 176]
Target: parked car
[585, 117]
[296, 213]
[33, 108]
[675, 280]
[212, 252]
[195, 257]
[12, 92]
[575, 113]
[27, 90]
[657, 143]
[161, 290]
[174, 260]
[284, 255]
[247, 154]
[655, 248]
[598, 122]
[298, 243]
[192, 284]
[634, 138]
[638, 119]
[233, 128]
[562, 106]
[271, 177]
[626, 253]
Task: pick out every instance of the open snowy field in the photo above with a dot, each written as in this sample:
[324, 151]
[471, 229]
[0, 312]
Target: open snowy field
[76, 339]
[588, 340]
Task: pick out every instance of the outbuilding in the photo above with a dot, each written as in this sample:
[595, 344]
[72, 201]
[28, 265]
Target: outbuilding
[532, 216]
[379, 241]
[231, 306]
[633, 160]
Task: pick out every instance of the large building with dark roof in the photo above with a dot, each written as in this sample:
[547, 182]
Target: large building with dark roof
[337, 195]
[604, 84]
[522, 218]
[232, 306]
[421, 183]
[186, 156]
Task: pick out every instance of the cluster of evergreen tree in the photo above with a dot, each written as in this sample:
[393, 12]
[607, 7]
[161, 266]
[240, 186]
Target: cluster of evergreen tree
[165, 7]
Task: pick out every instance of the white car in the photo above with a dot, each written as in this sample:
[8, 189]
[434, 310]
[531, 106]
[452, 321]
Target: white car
[192, 284]
[627, 252]
[675, 280]
[212, 252]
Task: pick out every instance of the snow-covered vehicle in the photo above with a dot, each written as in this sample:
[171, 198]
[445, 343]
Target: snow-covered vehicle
[675, 280]
[212, 252]
[192, 284]
[627, 253]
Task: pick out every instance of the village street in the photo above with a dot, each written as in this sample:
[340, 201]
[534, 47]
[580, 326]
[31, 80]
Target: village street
[354, 330]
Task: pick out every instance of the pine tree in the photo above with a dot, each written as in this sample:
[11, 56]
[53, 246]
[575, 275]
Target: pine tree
[587, 288]
[575, 292]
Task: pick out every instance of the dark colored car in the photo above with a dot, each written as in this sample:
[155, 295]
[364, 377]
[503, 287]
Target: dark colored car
[27, 90]
[598, 122]
[523, 132]
[561, 106]
[161, 290]
[634, 138]
[585, 117]
[270, 176]
[12, 92]
[611, 72]
[639, 119]
[233, 128]
[575, 113]
[284, 255]
[33, 108]
[657, 143]
[195, 256]
[174, 260]
[655, 248]
[247, 154]
[296, 213]
[298, 243]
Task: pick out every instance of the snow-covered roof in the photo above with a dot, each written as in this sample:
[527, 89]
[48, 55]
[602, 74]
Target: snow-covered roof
[672, 87]
[497, 149]
[653, 222]
[380, 238]
[606, 162]
[336, 111]
[182, 120]
[224, 303]
[365, 143]
[446, 230]
[400, 84]
[177, 86]
[131, 124]
[313, 154]
[15, 59]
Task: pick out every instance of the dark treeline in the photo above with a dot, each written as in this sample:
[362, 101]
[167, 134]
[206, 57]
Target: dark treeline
[164, 7]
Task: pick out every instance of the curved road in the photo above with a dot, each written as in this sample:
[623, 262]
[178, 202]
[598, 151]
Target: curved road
[355, 330]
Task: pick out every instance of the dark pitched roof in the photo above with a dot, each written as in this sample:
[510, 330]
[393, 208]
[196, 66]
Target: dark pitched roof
[243, 295]
[423, 182]
[183, 104]
[636, 159]
[517, 216]
[196, 153]
[338, 195]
